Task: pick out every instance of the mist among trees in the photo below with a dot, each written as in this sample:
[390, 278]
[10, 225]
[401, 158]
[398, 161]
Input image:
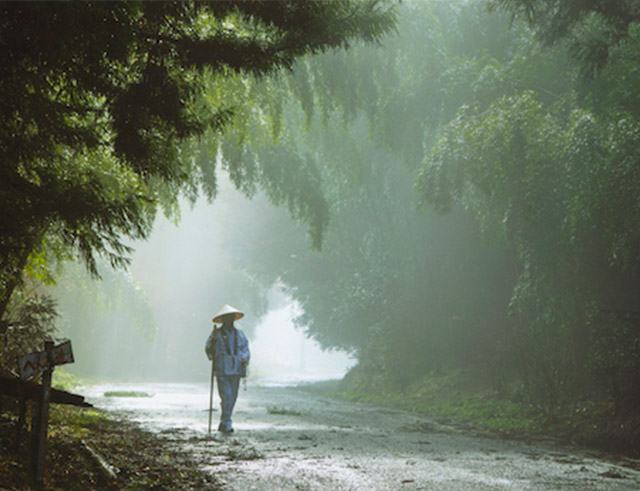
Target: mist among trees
[454, 192]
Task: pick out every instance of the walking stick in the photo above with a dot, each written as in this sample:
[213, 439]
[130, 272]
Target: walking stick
[213, 364]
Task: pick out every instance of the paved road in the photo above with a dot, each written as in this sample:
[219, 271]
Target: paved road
[287, 438]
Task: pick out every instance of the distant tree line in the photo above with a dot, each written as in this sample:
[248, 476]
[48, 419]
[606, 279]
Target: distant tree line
[482, 175]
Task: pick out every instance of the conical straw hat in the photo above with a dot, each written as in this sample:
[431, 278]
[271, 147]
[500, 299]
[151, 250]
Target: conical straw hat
[226, 310]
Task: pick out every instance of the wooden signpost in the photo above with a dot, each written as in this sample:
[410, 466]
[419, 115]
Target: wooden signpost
[29, 366]
[33, 363]
[40, 395]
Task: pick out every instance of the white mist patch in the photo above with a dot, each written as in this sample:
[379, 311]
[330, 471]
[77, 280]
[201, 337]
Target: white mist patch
[282, 354]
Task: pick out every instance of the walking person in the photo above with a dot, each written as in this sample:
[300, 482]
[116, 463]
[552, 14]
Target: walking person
[228, 348]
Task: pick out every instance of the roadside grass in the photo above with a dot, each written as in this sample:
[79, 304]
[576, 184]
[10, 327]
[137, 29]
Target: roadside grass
[76, 423]
[65, 380]
[484, 409]
[447, 398]
[457, 399]
[144, 460]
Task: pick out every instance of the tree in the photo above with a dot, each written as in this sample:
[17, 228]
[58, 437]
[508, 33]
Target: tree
[592, 27]
[97, 98]
[498, 127]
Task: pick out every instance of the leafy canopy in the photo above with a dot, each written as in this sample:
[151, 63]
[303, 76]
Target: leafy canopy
[100, 100]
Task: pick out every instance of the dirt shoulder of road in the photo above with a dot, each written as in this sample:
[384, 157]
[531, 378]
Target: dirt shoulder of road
[450, 401]
[143, 460]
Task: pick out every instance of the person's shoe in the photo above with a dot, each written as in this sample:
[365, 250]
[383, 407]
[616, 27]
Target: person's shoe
[225, 429]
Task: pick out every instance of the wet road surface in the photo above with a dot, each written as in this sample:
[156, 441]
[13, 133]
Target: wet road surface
[290, 439]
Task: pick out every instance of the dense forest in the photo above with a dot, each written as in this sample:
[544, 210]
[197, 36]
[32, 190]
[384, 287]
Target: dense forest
[467, 172]
[479, 172]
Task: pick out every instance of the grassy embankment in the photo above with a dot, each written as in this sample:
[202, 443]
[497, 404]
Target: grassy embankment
[455, 399]
[144, 460]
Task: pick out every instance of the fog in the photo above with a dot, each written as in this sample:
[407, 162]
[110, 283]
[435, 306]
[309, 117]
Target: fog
[177, 280]
[283, 354]
[433, 204]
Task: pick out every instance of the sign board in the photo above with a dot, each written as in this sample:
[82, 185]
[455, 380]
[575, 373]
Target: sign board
[29, 365]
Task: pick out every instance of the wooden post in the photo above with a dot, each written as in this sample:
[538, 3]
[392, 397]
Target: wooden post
[33, 444]
[39, 449]
[22, 412]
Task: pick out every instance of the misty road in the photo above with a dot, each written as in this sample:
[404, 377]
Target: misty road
[288, 438]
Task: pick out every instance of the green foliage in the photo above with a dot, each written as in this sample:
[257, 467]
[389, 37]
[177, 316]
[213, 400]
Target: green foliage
[520, 265]
[103, 108]
[64, 380]
[556, 180]
[33, 314]
[455, 397]
[529, 274]
[592, 27]
[388, 285]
